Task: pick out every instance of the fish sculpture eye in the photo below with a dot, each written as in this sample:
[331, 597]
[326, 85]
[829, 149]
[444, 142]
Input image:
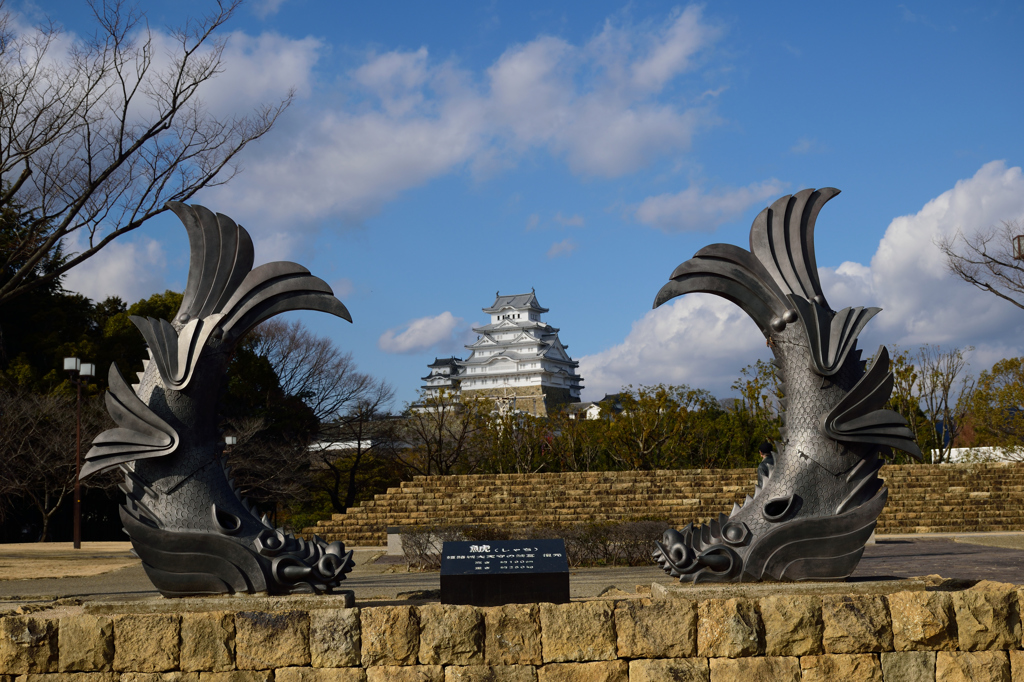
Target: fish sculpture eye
[193, 530]
[818, 495]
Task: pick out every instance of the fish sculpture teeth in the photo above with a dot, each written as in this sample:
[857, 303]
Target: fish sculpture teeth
[193, 530]
[818, 494]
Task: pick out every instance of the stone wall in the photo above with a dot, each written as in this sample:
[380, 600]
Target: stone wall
[922, 635]
[540, 401]
[923, 498]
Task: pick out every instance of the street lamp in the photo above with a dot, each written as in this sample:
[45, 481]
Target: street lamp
[78, 371]
[1018, 247]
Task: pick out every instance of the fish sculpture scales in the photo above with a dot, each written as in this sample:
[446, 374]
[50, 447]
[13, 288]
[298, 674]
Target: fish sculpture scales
[818, 494]
[186, 519]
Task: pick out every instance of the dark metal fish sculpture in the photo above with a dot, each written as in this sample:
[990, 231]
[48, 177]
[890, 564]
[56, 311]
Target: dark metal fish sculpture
[186, 519]
[818, 494]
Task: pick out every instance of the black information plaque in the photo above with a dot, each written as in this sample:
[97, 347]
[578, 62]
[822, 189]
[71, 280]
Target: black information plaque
[504, 572]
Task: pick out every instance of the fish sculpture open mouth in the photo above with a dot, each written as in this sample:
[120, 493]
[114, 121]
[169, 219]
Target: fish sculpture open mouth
[186, 519]
[818, 495]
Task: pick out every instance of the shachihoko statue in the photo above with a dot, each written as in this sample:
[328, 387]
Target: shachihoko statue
[818, 495]
[186, 520]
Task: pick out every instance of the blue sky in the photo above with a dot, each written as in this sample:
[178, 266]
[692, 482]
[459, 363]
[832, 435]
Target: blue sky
[438, 152]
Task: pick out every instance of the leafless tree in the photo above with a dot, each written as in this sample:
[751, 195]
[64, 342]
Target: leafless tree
[314, 369]
[946, 390]
[932, 390]
[352, 408]
[268, 473]
[37, 449]
[368, 430]
[439, 431]
[985, 259]
[511, 441]
[95, 137]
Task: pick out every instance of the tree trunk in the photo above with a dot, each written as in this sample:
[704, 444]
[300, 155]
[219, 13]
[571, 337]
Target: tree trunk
[350, 494]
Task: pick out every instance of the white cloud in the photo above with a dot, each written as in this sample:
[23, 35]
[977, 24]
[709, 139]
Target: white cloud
[806, 145]
[670, 52]
[342, 287]
[703, 341]
[401, 119]
[693, 209]
[696, 340]
[562, 248]
[267, 8]
[533, 221]
[442, 332]
[574, 220]
[923, 303]
[132, 270]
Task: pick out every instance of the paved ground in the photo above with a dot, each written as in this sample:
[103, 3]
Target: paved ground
[998, 557]
[62, 560]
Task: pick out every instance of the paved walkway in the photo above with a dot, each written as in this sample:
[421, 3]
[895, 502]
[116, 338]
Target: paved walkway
[997, 557]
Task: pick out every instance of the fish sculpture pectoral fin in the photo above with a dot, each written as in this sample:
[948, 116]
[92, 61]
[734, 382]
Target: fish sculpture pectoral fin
[142, 434]
[860, 418]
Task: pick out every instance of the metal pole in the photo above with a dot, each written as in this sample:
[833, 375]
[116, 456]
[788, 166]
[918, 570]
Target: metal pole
[78, 468]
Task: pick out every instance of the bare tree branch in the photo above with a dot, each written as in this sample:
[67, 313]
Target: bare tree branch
[986, 261]
[97, 140]
[314, 369]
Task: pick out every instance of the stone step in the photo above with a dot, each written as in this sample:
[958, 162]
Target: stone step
[922, 498]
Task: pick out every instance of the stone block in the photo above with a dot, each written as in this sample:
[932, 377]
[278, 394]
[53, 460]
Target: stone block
[1016, 665]
[451, 635]
[28, 645]
[972, 666]
[600, 671]
[86, 643]
[674, 669]
[490, 673]
[845, 667]
[922, 621]
[579, 631]
[728, 628]
[238, 676]
[71, 677]
[405, 673]
[512, 635]
[661, 629]
[759, 669]
[856, 624]
[390, 636]
[792, 625]
[320, 674]
[987, 620]
[335, 639]
[207, 641]
[173, 676]
[265, 640]
[908, 666]
[146, 643]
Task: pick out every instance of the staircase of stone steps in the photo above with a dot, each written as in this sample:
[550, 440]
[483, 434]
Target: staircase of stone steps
[923, 498]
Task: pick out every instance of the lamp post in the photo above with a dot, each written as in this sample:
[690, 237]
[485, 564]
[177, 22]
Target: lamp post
[78, 371]
[1018, 247]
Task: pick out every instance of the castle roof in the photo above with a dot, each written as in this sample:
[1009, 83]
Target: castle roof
[517, 301]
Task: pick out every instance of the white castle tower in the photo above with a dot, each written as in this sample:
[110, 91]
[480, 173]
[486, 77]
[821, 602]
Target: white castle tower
[519, 358]
[443, 376]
